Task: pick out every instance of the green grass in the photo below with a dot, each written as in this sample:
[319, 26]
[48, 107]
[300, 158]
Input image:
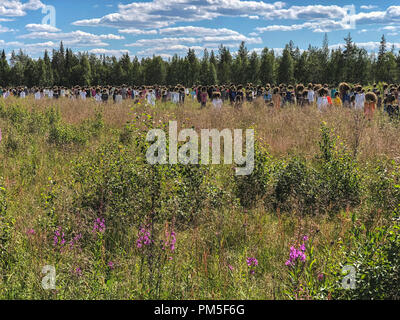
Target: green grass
[66, 164]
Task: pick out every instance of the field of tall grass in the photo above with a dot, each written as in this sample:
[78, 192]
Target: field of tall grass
[77, 193]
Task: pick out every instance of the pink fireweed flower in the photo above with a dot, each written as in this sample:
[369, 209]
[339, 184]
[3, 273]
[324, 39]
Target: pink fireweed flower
[30, 232]
[99, 225]
[170, 242]
[111, 265]
[74, 242]
[143, 238]
[296, 255]
[252, 262]
[230, 267]
[78, 271]
[59, 237]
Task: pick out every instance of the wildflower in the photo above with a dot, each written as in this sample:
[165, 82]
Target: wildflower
[30, 232]
[172, 241]
[144, 238]
[75, 241]
[252, 263]
[111, 265]
[58, 237]
[297, 254]
[305, 238]
[99, 226]
[230, 267]
[320, 276]
[78, 271]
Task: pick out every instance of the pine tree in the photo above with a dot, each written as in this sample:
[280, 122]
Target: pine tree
[286, 67]
[4, 70]
[194, 68]
[204, 69]
[224, 72]
[242, 64]
[253, 69]
[267, 67]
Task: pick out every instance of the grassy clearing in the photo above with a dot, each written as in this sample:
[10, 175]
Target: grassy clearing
[331, 176]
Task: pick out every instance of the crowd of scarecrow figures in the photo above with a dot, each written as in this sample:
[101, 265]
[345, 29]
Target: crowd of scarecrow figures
[275, 96]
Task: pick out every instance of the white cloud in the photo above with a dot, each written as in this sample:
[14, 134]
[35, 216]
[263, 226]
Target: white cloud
[74, 38]
[33, 27]
[162, 13]
[137, 31]
[390, 15]
[15, 8]
[317, 26]
[194, 40]
[178, 48]
[5, 29]
[369, 46]
[368, 7]
[108, 52]
[197, 31]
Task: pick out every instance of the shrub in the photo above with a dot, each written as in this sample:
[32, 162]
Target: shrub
[253, 187]
[376, 259]
[296, 187]
[340, 182]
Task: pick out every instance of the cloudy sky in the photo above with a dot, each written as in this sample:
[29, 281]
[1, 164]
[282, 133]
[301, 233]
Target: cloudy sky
[165, 27]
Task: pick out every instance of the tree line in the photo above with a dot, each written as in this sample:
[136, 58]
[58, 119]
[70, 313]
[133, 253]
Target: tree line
[316, 64]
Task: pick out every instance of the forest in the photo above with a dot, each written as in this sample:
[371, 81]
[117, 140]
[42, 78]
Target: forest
[63, 67]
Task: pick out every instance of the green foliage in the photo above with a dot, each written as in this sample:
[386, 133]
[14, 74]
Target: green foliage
[250, 188]
[296, 187]
[316, 64]
[327, 185]
[339, 176]
[376, 259]
[382, 182]
[6, 228]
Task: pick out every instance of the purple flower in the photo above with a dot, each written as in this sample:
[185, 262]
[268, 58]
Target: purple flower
[144, 238]
[305, 238]
[296, 255]
[75, 241]
[230, 267]
[99, 225]
[30, 232]
[111, 265]
[252, 262]
[78, 271]
[59, 237]
[320, 276]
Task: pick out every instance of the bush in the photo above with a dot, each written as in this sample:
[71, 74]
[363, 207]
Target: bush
[376, 259]
[253, 187]
[296, 187]
[340, 182]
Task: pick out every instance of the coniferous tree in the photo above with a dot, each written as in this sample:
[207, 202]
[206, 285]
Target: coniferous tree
[4, 70]
[286, 67]
[267, 67]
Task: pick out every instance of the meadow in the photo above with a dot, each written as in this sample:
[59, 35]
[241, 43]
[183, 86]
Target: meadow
[77, 193]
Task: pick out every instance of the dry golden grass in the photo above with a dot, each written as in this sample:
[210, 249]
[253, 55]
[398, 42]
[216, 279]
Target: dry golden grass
[289, 130]
[268, 235]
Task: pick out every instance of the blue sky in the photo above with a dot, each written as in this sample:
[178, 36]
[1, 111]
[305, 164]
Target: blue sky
[165, 27]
